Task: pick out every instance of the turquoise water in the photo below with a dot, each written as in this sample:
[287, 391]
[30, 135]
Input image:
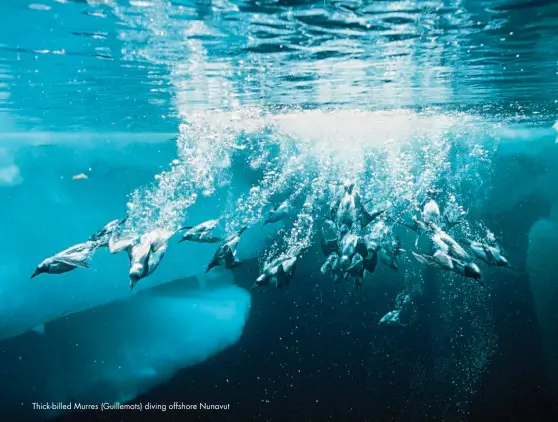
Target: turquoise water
[174, 113]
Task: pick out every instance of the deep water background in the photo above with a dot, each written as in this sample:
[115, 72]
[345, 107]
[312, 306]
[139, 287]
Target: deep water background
[308, 355]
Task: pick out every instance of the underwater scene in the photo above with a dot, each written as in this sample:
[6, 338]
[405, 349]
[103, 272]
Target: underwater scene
[279, 210]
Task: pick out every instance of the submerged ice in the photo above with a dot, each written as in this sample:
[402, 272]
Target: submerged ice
[115, 352]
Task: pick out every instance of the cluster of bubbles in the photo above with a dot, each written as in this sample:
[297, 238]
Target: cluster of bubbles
[359, 182]
[306, 172]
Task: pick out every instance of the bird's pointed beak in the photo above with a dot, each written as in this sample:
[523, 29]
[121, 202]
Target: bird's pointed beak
[36, 273]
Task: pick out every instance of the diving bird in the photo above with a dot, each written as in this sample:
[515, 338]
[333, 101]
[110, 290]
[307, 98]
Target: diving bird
[279, 213]
[389, 253]
[447, 244]
[145, 252]
[348, 205]
[367, 217]
[431, 212]
[330, 238]
[443, 261]
[335, 203]
[350, 245]
[377, 248]
[403, 300]
[356, 269]
[201, 233]
[118, 244]
[278, 272]
[489, 254]
[225, 255]
[146, 255]
[418, 226]
[332, 266]
[392, 317]
[348, 208]
[67, 260]
[370, 252]
[103, 236]
[371, 259]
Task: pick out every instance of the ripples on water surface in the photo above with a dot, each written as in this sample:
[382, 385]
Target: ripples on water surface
[118, 65]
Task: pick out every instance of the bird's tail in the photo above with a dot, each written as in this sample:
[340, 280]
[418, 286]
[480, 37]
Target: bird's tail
[398, 249]
[420, 258]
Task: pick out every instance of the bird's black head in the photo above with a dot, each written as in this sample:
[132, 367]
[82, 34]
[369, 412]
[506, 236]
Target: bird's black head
[506, 264]
[473, 271]
[210, 266]
[133, 281]
[39, 270]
